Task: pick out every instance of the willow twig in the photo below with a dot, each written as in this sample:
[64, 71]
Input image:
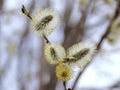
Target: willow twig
[47, 41]
[64, 84]
[117, 11]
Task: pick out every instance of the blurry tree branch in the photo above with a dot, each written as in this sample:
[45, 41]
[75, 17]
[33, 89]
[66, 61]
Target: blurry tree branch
[117, 11]
[4, 68]
[20, 51]
[78, 31]
[115, 86]
[68, 29]
[80, 27]
[1, 4]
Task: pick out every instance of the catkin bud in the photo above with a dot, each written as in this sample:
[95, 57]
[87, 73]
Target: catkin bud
[54, 53]
[79, 54]
[45, 21]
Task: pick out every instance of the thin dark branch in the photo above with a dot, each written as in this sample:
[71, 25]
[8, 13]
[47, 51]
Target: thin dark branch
[64, 84]
[47, 41]
[117, 11]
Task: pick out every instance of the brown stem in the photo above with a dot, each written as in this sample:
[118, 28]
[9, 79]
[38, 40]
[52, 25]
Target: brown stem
[117, 11]
[64, 84]
[47, 41]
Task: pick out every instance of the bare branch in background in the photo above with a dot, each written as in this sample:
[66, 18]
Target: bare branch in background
[117, 11]
[23, 39]
[68, 29]
[1, 4]
[4, 69]
[78, 31]
[115, 86]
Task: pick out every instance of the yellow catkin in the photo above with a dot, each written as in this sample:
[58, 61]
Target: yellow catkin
[64, 72]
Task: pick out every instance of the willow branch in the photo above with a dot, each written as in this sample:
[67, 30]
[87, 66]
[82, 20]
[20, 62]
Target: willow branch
[47, 41]
[117, 11]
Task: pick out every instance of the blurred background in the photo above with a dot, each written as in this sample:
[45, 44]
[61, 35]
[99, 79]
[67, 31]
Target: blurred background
[22, 63]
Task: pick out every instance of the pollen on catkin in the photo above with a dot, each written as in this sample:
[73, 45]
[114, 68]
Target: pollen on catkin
[54, 53]
[64, 72]
[80, 54]
[45, 21]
